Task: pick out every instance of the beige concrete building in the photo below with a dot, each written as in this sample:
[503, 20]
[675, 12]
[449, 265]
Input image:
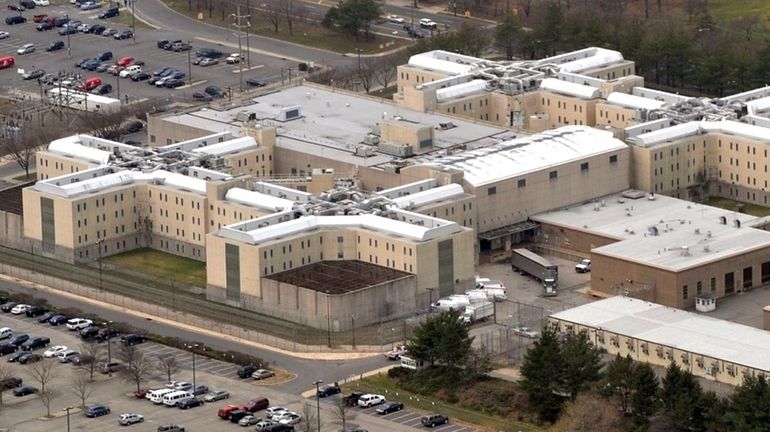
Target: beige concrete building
[387, 264]
[713, 349]
[662, 249]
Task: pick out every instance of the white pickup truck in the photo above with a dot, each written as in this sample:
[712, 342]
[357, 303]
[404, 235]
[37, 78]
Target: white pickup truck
[583, 266]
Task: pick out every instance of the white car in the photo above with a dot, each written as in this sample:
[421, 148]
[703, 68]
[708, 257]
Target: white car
[67, 356]
[127, 72]
[395, 19]
[41, 2]
[130, 418]
[428, 23]
[182, 385]
[370, 400]
[171, 384]
[26, 49]
[20, 309]
[78, 323]
[277, 417]
[525, 331]
[275, 411]
[54, 351]
[291, 418]
[233, 58]
[4, 35]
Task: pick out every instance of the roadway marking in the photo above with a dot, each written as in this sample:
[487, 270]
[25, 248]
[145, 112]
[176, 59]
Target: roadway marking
[248, 69]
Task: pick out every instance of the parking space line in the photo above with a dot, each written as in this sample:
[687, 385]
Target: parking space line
[402, 415]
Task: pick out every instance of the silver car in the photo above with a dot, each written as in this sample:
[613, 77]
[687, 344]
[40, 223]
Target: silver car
[26, 49]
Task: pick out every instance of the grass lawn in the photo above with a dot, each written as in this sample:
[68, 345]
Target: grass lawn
[125, 19]
[731, 9]
[156, 263]
[728, 204]
[303, 33]
[382, 384]
[24, 177]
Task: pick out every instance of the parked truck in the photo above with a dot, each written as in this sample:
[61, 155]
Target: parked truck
[525, 261]
[476, 312]
[584, 266]
[453, 302]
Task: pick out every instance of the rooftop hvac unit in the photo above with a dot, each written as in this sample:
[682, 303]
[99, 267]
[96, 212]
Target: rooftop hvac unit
[371, 139]
[364, 151]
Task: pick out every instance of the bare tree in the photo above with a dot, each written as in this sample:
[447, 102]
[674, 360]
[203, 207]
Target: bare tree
[168, 365]
[273, 13]
[42, 373]
[366, 71]
[292, 9]
[137, 366]
[82, 387]
[309, 422]
[90, 356]
[342, 412]
[385, 70]
[5, 373]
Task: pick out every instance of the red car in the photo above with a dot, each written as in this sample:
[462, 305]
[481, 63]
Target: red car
[90, 84]
[39, 18]
[224, 412]
[125, 61]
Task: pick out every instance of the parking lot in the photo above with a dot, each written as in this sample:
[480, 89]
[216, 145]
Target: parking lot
[27, 413]
[83, 45]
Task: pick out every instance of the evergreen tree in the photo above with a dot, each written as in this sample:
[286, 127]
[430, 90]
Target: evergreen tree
[542, 376]
[644, 399]
[507, 34]
[582, 363]
[749, 406]
[619, 381]
[442, 338]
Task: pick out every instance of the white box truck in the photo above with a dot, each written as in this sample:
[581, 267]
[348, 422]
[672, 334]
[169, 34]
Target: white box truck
[455, 302]
[528, 262]
[477, 312]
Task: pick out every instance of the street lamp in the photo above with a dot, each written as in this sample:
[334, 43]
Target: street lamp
[189, 60]
[328, 320]
[68, 416]
[318, 402]
[353, 329]
[109, 347]
[133, 20]
[192, 349]
[358, 50]
[99, 247]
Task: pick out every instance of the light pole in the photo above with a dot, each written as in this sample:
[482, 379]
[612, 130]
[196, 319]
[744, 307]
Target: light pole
[318, 402]
[189, 60]
[99, 247]
[328, 321]
[109, 346]
[68, 416]
[358, 50]
[192, 349]
[133, 20]
[353, 328]
[69, 47]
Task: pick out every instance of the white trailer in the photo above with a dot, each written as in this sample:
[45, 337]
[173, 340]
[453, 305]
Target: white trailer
[477, 312]
[455, 302]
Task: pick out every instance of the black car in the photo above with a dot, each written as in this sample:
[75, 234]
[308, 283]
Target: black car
[18, 339]
[35, 343]
[246, 371]
[43, 26]
[15, 356]
[352, 399]
[141, 76]
[90, 64]
[55, 46]
[106, 333]
[209, 52]
[17, 8]
[389, 407]
[96, 410]
[29, 357]
[6, 307]
[16, 19]
[68, 30]
[109, 13]
[161, 43]
[328, 390]
[36, 311]
[102, 89]
[214, 91]
[10, 382]
[173, 83]
[104, 56]
[46, 316]
[24, 391]
[160, 72]
[132, 127]
[237, 415]
[133, 339]
[8, 348]
[279, 428]
[200, 389]
[189, 403]
[89, 332]
[58, 320]
[433, 419]
[255, 82]
[125, 34]
[97, 29]
[168, 46]
[60, 21]
[202, 96]
[29, 4]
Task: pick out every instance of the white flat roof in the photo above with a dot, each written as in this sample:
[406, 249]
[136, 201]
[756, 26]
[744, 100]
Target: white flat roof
[429, 196]
[96, 184]
[230, 146]
[260, 200]
[727, 127]
[444, 62]
[635, 102]
[71, 146]
[459, 90]
[571, 89]
[709, 337]
[367, 221]
[688, 234]
[536, 152]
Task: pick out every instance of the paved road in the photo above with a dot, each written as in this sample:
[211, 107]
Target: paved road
[156, 13]
[307, 370]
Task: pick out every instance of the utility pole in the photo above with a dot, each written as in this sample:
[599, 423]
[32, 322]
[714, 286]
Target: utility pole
[248, 26]
[238, 17]
[69, 47]
[189, 60]
[133, 21]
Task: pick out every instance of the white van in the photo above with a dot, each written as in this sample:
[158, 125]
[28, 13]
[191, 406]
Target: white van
[5, 332]
[156, 396]
[170, 399]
